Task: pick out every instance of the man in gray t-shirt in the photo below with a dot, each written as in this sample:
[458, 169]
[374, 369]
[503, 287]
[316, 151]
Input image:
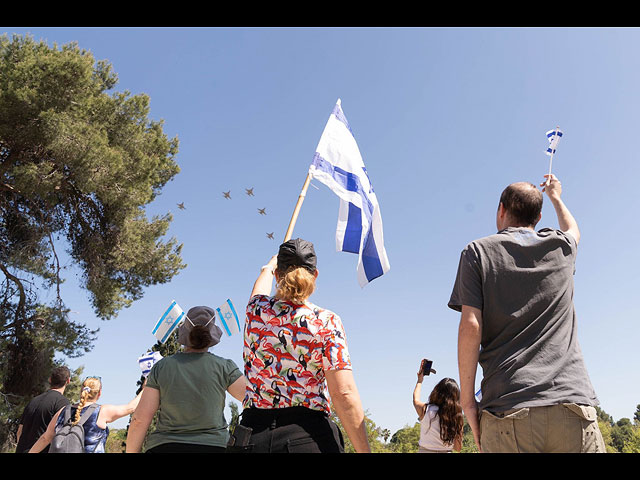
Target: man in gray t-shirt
[515, 292]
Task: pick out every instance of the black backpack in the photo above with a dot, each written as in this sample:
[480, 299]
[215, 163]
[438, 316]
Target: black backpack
[70, 438]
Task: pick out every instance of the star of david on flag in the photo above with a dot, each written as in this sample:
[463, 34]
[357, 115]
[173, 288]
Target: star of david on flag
[229, 318]
[169, 321]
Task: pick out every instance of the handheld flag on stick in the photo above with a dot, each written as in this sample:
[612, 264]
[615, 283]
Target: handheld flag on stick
[554, 137]
[147, 361]
[169, 321]
[229, 318]
[338, 164]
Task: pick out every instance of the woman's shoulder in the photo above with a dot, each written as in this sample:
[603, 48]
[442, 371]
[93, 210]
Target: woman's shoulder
[260, 298]
[320, 312]
[432, 410]
[218, 360]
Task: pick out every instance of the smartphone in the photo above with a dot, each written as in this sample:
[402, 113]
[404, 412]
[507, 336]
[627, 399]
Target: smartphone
[426, 366]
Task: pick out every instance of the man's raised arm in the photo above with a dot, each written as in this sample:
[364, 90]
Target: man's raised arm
[568, 224]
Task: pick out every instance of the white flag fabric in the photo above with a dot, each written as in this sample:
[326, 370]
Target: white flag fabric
[147, 361]
[554, 137]
[229, 318]
[169, 321]
[338, 164]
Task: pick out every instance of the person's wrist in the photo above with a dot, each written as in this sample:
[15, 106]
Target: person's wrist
[555, 198]
[269, 268]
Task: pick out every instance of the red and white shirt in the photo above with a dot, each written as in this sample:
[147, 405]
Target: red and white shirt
[287, 348]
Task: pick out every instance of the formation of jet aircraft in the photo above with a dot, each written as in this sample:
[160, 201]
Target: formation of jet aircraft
[249, 192]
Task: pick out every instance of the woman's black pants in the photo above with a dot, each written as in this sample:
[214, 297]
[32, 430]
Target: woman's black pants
[291, 430]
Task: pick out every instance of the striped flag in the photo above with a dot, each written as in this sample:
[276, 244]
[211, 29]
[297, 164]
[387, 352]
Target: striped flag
[338, 164]
[147, 361]
[169, 321]
[554, 137]
[229, 318]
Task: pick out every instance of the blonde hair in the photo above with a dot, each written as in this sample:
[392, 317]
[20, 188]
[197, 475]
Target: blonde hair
[90, 389]
[295, 285]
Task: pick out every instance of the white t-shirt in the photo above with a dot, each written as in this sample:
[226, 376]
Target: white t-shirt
[430, 431]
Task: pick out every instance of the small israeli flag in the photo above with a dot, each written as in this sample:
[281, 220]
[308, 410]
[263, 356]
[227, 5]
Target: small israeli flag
[147, 361]
[554, 137]
[338, 164]
[169, 321]
[229, 318]
[478, 396]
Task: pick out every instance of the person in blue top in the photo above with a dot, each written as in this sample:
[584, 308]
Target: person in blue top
[95, 428]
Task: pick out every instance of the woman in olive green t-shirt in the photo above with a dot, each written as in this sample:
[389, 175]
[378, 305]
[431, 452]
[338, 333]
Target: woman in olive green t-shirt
[188, 390]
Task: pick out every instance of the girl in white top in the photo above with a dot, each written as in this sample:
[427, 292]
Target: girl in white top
[441, 419]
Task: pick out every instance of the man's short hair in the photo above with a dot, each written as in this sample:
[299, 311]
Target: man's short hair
[523, 201]
[59, 377]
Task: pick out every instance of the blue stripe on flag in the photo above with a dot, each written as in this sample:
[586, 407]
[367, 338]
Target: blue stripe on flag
[353, 231]
[349, 181]
[339, 114]
[170, 331]
[370, 258]
[224, 324]
[163, 317]
[553, 133]
[234, 313]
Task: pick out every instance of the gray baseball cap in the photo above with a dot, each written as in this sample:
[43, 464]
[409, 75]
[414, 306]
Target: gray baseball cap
[204, 316]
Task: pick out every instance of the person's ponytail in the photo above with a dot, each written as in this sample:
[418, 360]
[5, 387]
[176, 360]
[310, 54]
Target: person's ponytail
[90, 389]
[296, 285]
[199, 337]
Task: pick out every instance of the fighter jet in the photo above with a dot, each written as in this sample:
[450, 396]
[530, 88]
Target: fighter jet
[227, 194]
[181, 206]
[270, 235]
[261, 211]
[249, 191]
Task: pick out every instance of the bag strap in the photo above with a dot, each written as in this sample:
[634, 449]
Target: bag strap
[87, 413]
[67, 414]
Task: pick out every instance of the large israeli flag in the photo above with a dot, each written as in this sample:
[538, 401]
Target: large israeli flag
[169, 321]
[229, 318]
[338, 164]
[554, 137]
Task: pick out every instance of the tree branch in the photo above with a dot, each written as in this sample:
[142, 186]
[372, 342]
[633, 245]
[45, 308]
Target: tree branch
[23, 295]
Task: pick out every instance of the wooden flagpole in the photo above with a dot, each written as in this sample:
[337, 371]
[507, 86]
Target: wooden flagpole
[296, 210]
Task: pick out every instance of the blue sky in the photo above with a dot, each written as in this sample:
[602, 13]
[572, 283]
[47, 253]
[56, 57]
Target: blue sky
[445, 118]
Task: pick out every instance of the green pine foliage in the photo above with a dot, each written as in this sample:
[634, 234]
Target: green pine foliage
[79, 163]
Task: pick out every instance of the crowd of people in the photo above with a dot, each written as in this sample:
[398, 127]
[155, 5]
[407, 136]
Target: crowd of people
[514, 290]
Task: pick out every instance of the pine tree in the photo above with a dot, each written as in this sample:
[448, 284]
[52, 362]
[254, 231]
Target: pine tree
[78, 166]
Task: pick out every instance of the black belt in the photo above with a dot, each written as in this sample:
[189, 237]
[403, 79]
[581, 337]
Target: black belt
[280, 416]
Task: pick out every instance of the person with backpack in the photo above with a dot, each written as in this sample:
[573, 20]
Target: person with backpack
[82, 428]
